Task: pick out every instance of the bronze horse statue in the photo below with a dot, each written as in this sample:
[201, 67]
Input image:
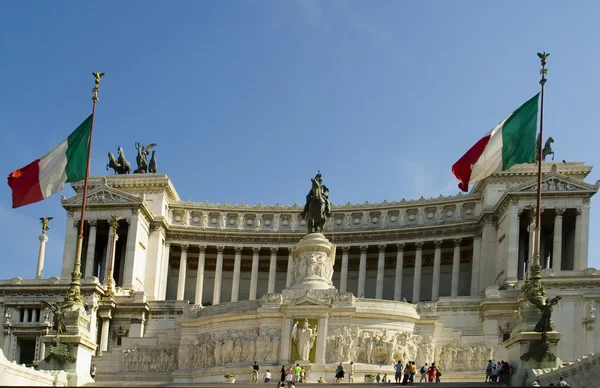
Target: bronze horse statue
[315, 218]
[119, 165]
[547, 150]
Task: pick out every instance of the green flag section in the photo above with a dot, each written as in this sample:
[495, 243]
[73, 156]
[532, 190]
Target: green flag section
[510, 142]
[48, 174]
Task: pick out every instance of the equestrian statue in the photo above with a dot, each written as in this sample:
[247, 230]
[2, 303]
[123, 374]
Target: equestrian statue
[317, 208]
[120, 165]
[546, 151]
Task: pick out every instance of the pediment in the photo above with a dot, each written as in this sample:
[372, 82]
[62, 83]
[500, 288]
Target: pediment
[554, 182]
[104, 195]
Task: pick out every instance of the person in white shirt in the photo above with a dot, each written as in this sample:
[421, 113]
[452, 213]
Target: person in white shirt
[267, 377]
[562, 382]
[351, 374]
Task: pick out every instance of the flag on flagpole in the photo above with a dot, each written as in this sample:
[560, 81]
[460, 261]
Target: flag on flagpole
[510, 142]
[48, 174]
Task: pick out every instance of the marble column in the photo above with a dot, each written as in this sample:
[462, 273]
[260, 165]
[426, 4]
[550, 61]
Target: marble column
[107, 257]
[105, 332]
[200, 275]
[320, 356]
[416, 294]
[254, 273]
[362, 272]
[437, 265]
[235, 286]
[399, 270]
[272, 271]
[512, 264]
[70, 247]
[475, 266]
[41, 254]
[182, 272]
[344, 273]
[290, 264]
[130, 249]
[286, 340]
[455, 268]
[380, 272]
[557, 241]
[34, 315]
[531, 239]
[218, 276]
[582, 232]
[165, 271]
[91, 249]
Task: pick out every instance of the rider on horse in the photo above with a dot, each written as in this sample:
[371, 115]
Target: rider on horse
[324, 191]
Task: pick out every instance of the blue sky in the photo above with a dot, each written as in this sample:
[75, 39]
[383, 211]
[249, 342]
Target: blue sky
[237, 93]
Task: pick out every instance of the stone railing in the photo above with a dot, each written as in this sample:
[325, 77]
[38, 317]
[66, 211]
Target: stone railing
[13, 374]
[582, 373]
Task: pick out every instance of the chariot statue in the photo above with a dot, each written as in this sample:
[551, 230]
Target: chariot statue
[142, 157]
[317, 208]
[120, 165]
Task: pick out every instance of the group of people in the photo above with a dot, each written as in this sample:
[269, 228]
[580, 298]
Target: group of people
[498, 372]
[405, 374]
[292, 374]
[561, 383]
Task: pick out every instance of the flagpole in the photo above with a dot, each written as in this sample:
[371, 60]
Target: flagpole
[74, 296]
[536, 288]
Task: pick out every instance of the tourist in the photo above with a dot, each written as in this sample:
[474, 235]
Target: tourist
[267, 377]
[302, 375]
[413, 372]
[431, 372]
[562, 382]
[282, 374]
[398, 368]
[297, 371]
[351, 373]
[406, 372]
[535, 384]
[255, 369]
[495, 373]
[339, 373]
[321, 381]
[423, 372]
[289, 374]
[291, 384]
[385, 378]
[378, 377]
[505, 373]
[93, 371]
[488, 371]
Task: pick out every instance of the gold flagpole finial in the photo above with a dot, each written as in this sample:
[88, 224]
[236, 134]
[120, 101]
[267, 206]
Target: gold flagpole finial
[96, 87]
[543, 70]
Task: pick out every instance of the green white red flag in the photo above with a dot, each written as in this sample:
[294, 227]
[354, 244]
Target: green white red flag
[48, 174]
[510, 142]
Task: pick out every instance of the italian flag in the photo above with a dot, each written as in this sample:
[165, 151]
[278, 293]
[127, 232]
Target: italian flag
[48, 174]
[510, 142]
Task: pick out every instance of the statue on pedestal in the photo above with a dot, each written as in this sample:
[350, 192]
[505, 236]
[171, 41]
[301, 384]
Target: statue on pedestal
[544, 325]
[317, 208]
[304, 337]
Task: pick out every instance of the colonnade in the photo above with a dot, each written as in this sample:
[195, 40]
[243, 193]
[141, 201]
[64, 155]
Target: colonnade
[343, 281]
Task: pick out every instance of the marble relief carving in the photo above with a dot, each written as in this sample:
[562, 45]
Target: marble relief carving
[464, 358]
[161, 358]
[229, 347]
[374, 346]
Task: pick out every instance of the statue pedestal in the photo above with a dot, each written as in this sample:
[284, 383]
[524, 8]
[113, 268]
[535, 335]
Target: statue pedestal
[526, 351]
[312, 266]
[77, 342]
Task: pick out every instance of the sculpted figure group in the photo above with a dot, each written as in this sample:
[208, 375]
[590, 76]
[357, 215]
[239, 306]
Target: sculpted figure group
[229, 347]
[121, 165]
[161, 358]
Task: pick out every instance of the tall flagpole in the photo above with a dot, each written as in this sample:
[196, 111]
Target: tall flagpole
[74, 294]
[535, 287]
